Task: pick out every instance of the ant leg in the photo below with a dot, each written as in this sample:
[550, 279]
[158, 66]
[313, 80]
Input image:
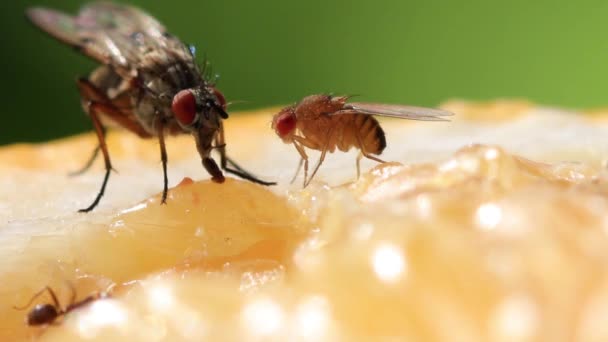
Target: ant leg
[163, 158]
[83, 302]
[237, 170]
[36, 295]
[72, 296]
[54, 297]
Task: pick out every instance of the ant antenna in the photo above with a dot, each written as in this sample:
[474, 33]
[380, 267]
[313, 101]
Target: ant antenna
[36, 295]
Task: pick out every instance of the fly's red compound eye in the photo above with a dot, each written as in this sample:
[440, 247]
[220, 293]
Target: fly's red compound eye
[184, 107]
[286, 123]
[220, 98]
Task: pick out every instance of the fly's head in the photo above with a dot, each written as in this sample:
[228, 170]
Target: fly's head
[284, 124]
[199, 111]
[196, 107]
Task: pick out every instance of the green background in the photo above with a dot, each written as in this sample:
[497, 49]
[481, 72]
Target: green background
[275, 52]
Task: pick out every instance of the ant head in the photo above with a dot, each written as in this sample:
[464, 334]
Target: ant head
[284, 124]
[42, 314]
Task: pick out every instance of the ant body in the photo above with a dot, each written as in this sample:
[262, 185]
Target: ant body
[47, 313]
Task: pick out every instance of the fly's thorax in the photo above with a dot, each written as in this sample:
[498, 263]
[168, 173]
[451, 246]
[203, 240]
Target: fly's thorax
[316, 106]
[168, 74]
[108, 81]
[158, 80]
[149, 108]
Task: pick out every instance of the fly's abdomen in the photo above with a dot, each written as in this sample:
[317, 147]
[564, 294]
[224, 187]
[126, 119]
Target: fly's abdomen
[371, 135]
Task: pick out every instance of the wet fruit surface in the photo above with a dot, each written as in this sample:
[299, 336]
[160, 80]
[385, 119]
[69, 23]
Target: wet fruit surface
[470, 242]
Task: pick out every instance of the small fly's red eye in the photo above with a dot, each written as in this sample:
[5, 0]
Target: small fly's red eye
[184, 107]
[220, 98]
[286, 123]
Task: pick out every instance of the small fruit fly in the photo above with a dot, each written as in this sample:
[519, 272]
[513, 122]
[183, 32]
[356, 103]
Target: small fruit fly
[325, 122]
[47, 313]
[148, 83]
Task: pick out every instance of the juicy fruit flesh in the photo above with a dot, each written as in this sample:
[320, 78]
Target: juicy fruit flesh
[479, 245]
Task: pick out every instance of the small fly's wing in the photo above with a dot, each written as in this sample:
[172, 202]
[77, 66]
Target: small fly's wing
[395, 111]
[113, 34]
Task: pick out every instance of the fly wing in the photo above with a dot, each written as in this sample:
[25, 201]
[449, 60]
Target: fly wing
[395, 111]
[67, 30]
[114, 34]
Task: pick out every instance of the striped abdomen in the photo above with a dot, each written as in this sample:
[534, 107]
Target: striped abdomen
[362, 131]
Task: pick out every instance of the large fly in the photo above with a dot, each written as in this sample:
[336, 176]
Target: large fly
[148, 83]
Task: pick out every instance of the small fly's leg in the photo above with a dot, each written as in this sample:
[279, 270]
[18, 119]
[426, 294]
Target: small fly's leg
[293, 179]
[303, 157]
[89, 163]
[369, 156]
[163, 158]
[363, 153]
[321, 158]
[359, 156]
[237, 170]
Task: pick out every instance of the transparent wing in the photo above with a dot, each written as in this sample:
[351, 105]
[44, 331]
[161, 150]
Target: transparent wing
[111, 33]
[395, 111]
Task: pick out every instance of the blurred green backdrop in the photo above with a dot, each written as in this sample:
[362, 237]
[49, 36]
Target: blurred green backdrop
[274, 52]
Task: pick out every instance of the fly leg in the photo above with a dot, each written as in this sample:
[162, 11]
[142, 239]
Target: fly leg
[89, 163]
[163, 158]
[293, 179]
[314, 172]
[321, 158]
[97, 103]
[94, 108]
[363, 153]
[359, 156]
[234, 168]
[303, 159]
[125, 118]
[89, 92]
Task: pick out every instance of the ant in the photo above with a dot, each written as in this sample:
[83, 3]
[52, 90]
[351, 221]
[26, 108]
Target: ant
[47, 313]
